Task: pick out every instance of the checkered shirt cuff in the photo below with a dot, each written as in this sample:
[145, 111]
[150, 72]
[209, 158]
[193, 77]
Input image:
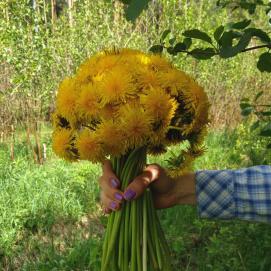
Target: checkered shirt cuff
[243, 193]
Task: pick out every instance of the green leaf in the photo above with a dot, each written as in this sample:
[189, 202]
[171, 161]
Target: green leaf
[197, 34]
[258, 95]
[246, 111]
[187, 42]
[250, 7]
[255, 125]
[244, 100]
[203, 53]
[259, 33]
[266, 130]
[241, 25]
[179, 47]
[135, 8]
[231, 51]
[228, 37]
[267, 11]
[268, 146]
[245, 105]
[165, 34]
[264, 62]
[172, 40]
[266, 113]
[218, 32]
[157, 49]
[171, 51]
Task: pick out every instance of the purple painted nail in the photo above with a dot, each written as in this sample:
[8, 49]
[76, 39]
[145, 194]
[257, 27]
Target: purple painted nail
[114, 182]
[113, 205]
[118, 196]
[129, 194]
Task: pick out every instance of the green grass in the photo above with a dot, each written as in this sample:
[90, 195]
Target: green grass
[51, 220]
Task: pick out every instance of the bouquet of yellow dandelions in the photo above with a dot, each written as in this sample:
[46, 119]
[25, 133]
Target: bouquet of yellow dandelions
[122, 105]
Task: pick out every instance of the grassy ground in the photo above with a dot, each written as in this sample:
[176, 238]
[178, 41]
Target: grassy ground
[51, 220]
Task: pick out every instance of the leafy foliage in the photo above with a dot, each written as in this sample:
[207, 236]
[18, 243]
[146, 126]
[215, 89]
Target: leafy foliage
[228, 41]
[262, 113]
[231, 39]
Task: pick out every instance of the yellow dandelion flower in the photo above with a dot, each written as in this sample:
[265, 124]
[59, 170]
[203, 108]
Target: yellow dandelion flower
[87, 70]
[159, 63]
[109, 111]
[66, 98]
[143, 59]
[147, 78]
[124, 98]
[112, 137]
[136, 125]
[88, 104]
[62, 144]
[117, 86]
[161, 107]
[129, 52]
[108, 62]
[182, 165]
[159, 104]
[98, 77]
[89, 146]
[59, 121]
[196, 103]
[174, 80]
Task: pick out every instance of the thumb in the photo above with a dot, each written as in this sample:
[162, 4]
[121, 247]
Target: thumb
[137, 187]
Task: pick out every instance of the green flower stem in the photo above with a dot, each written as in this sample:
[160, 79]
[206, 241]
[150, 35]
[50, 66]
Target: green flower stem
[134, 237]
[145, 232]
[121, 245]
[126, 236]
[139, 231]
[155, 235]
[134, 240]
[112, 241]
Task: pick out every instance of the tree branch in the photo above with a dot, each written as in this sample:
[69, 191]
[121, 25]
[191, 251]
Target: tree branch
[257, 47]
[217, 53]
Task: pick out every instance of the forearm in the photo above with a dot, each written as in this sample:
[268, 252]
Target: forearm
[243, 194]
[185, 189]
[227, 194]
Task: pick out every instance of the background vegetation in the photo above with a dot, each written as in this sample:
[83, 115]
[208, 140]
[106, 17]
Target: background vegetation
[50, 217]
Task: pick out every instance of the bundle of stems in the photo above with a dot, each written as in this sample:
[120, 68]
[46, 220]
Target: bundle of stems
[134, 239]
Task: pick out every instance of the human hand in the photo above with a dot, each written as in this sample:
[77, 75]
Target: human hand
[166, 191]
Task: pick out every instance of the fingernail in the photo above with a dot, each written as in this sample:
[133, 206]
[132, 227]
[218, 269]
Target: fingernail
[113, 205]
[118, 196]
[114, 182]
[129, 194]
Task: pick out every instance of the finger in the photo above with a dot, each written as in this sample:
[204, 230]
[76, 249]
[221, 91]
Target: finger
[108, 181]
[108, 177]
[109, 188]
[110, 204]
[107, 166]
[137, 187]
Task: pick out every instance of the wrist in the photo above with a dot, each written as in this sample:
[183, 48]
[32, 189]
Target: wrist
[185, 189]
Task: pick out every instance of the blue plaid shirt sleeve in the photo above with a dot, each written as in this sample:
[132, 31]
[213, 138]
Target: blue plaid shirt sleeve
[243, 194]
